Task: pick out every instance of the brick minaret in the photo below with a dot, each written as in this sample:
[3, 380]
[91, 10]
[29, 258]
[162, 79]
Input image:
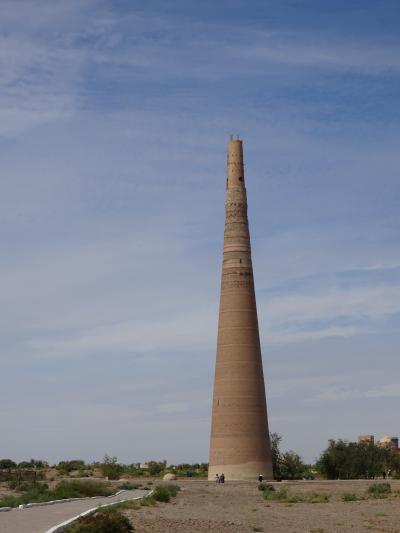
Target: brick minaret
[240, 445]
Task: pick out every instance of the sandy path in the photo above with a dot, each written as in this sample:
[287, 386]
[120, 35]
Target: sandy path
[40, 519]
[239, 508]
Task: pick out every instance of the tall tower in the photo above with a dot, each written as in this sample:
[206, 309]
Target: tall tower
[240, 444]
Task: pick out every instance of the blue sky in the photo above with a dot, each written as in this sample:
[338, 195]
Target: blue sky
[114, 118]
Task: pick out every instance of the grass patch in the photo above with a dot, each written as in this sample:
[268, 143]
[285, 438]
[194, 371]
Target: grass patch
[265, 487]
[148, 501]
[282, 495]
[379, 490]
[258, 529]
[105, 521]
[351, 497]
[317, 497]
[64, 489]
[276, 495]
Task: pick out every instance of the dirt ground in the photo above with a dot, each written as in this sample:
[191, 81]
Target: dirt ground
[239, 507]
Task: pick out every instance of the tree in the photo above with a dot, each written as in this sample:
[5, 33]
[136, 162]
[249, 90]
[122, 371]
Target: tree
[276, 455]
[6, 464]
[292, 466]
[65, 467]
[352, 460]
[156, 467]
[110, 468]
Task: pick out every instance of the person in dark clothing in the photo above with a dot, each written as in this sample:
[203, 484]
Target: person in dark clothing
[222, 478]
[260, 478]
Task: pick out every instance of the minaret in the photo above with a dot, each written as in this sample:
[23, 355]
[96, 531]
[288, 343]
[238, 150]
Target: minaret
[240, 444]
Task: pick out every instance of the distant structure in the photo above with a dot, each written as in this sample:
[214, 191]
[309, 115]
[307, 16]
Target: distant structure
[389, 442]
[240, 444]
[369, 439]
[385, 441]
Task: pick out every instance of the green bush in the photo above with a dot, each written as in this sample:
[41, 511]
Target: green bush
[279, 495]
[65, 467]
[6, 464]
[265, 487]
[173, 489]
[161, 494]
[379, 489]
[107, 521]
[147, 501]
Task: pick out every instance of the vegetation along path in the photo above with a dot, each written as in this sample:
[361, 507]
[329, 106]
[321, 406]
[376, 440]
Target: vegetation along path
[40, 519]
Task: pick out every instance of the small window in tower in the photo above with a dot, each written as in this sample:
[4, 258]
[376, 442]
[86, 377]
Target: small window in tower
[241, 178]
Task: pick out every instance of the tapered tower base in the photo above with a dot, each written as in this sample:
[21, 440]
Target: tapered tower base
[243, 472]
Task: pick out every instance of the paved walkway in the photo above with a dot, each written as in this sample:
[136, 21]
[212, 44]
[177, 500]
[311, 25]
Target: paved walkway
[40, 519]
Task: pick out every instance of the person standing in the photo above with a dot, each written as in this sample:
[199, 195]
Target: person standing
[217, 480]
[260, 478]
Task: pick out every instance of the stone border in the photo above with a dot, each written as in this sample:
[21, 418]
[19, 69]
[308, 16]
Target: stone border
[59, 527]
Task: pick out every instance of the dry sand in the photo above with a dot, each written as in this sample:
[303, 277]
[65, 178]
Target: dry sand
[239, 507]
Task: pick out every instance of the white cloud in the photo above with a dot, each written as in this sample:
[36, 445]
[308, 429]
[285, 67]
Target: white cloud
[300, 316]
[348, 55]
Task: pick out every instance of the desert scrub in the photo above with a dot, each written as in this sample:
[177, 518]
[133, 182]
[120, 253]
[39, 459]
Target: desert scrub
[278, 495]
[351, 497]
[282, 495]
[173, 489]
[162, 493]
[147, 501]
[317, 497]
[65, 489]
[265, 487]
[107, 521]
[379, 490]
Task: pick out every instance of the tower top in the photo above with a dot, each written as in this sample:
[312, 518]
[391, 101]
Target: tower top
[235, 177]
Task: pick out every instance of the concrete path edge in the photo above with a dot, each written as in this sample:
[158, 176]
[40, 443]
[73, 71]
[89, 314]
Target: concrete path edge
[59, 527]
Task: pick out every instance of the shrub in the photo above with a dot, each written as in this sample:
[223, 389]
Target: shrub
[81, 489]
[68, 466]
[316, 497]
[173, 489]
[280, 494]
[7, 464]
[379, 489]
[147, 501]
[107, 521]
[161, 494]
[350, 497]
[265, 487]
